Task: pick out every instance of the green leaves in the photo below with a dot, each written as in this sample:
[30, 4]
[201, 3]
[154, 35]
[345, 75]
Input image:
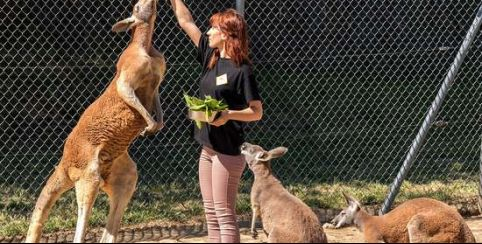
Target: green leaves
[198, 124]
[196, 104]
[208, 106]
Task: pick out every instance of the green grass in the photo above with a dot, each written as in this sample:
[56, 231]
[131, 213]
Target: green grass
[180, 203]
[329, 195]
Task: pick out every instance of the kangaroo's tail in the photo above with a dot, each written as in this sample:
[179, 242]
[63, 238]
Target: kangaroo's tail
[57, 184]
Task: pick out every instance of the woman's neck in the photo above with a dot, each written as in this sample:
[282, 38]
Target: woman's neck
[223, 53]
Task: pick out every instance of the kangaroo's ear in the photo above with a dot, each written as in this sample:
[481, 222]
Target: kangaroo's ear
[350, 200]
[277, 152]
[125, 24]
[273, 153]
[263, 156]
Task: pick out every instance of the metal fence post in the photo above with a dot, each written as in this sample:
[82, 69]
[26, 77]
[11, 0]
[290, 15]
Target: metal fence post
[240, 6]
[429, 118]
[480, 177]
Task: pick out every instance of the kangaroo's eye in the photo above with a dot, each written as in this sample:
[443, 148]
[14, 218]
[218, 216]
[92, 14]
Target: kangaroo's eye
[138, 8]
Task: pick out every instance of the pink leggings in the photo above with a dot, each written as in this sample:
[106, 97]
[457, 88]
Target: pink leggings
[219, 176]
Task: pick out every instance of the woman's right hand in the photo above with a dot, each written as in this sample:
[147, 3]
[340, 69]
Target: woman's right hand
[185, 20]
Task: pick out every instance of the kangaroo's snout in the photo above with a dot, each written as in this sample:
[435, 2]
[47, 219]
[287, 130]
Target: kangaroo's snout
[243, 147]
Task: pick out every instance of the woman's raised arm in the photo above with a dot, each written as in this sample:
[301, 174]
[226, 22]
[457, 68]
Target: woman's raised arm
[185, 20]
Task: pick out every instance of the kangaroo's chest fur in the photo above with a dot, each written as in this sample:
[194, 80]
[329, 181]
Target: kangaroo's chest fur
[146, 69]
[282, 211]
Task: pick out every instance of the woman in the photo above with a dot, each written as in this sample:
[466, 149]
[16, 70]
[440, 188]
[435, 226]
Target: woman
[226, 76]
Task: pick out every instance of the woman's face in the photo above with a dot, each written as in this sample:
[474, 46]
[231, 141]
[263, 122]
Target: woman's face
[216, 37]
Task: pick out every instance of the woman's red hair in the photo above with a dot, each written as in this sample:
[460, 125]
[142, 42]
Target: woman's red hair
[233, 25]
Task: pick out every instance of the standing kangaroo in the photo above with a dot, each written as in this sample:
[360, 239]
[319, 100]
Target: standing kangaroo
[96, 151]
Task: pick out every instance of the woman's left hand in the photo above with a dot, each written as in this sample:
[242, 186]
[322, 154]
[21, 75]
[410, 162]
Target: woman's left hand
[222, 119]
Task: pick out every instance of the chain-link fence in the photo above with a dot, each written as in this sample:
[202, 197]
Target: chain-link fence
[345, 86]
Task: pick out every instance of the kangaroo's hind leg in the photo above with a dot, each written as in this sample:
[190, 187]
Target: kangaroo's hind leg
[439, 227]
[282, 236]
[119, 186]
[434, 226]
[86, 189]
[56, 185]
[417, 229]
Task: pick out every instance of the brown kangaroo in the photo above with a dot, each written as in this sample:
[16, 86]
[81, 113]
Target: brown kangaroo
[418, 220]
[285, 218]
[96, 151]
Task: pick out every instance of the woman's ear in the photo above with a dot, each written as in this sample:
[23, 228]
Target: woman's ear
[224, 37]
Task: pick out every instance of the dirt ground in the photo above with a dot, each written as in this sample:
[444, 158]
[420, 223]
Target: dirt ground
[345, 235]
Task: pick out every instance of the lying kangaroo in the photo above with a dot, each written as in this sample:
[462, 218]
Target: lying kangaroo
[416, 220]
[285, 218]
[96, 151]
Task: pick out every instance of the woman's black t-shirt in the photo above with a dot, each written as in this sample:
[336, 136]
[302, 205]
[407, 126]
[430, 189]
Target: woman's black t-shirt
[236, 87]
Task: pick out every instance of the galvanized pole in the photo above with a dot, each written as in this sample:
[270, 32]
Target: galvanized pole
[429, 118]
[480, 177]
[240, 6]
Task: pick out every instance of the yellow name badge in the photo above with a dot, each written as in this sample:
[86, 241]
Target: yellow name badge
[221, 80]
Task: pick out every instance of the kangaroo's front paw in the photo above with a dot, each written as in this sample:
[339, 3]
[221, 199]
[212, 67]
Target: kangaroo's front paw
[159, 125]
[151, 129]
[329, 226]
[254, 234]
